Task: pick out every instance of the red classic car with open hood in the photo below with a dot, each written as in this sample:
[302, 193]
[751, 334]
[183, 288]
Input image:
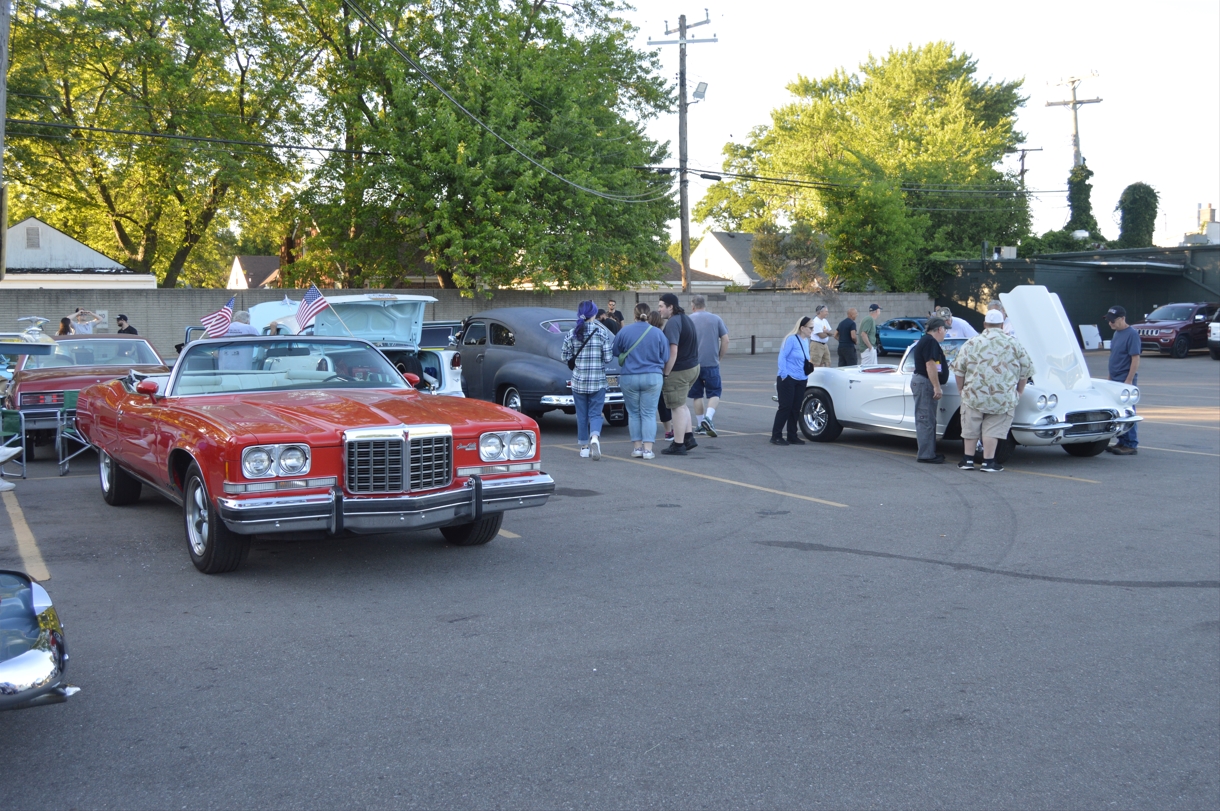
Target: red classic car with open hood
[266, 435]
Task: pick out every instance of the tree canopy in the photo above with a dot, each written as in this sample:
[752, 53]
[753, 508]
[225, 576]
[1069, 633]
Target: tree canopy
[413, 184]
[893, 165]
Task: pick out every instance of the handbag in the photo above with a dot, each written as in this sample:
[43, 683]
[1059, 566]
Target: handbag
[622, 358]
[809, 367]
[572, 360]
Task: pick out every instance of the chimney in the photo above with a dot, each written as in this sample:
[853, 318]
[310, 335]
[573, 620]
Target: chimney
[1206, 214]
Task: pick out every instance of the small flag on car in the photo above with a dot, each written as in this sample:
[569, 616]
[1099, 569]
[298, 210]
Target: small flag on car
[313, 303]
[217, 324]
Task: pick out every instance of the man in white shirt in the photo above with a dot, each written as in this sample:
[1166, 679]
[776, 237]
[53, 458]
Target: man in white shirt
[955, 327]
[238, 357]
[819, 353]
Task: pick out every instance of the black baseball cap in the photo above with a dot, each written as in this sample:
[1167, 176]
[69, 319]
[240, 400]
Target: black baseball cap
[121, 318]
[874, 307]
[934, 323]
[1116, 312]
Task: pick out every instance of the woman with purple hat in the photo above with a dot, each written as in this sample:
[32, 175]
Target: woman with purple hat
[587, 349]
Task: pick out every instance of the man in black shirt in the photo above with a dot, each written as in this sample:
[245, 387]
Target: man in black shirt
[124, 327]
[931, 372]
[681, 371]
[613, 312]
[846, 335]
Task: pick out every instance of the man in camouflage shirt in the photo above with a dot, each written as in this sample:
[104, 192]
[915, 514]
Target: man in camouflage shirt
[991, 370]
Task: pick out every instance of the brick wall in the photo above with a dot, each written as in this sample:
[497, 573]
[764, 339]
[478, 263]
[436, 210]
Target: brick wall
[163, 315]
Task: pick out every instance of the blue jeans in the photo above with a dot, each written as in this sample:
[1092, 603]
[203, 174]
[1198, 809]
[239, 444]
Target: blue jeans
[589, 414]
[640, 394]
[1129, 439]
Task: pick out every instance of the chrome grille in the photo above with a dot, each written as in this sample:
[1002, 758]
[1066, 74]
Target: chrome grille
[1090, 422]
[431, 462]
[374, 466]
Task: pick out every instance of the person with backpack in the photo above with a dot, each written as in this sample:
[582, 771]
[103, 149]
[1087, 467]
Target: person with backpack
[642, 353]
[587, 350]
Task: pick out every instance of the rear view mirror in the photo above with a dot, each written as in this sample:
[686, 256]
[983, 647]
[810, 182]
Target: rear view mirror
[146, 387]
[32, 652]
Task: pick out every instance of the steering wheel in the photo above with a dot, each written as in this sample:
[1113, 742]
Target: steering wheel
[334, 377]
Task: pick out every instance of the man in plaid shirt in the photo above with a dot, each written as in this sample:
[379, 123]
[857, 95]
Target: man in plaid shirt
[590, 345]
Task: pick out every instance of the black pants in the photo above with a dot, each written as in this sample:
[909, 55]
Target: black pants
[847, 355]
[663, 412]
[791, 394]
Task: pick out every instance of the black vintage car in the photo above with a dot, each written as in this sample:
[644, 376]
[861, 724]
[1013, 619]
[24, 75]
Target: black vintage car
[511, 356]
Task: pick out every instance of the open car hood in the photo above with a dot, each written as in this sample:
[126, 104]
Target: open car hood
[1041, 325]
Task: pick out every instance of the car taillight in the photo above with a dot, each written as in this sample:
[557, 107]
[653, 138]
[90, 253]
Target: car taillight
[42, 398]
[456, 363]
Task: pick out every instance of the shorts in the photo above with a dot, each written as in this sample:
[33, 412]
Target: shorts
[819, 354]
[707, 384]
[976, 424]
[677, 384]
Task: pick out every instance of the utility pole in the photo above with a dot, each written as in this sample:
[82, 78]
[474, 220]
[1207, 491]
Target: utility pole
[1024, 152]
[683, 191]
[5, 15]
[1073, 82]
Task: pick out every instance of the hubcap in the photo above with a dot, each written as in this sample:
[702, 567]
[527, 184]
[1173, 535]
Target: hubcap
[197, 517]
[512, 400]
[815, 416]
[104, 470]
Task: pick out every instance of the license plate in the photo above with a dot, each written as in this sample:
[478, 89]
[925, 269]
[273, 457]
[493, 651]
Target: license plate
[612, 380]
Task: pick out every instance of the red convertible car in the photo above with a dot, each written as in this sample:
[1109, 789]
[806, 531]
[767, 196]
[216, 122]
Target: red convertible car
[266, 435]
[78, 361]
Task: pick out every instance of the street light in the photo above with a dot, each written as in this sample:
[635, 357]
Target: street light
[700, 91]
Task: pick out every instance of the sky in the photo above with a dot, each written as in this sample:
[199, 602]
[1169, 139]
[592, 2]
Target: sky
[1158, 67]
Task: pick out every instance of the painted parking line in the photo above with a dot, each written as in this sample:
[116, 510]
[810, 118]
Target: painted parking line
[508, 534]
[1156, 421]
[1144, 447]
[652, 466]
[27, 547]
[1007, 469]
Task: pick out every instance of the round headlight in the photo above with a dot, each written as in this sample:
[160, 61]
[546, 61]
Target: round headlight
[1135, 396]
[1124, 395]
[292, 460]
[1041, 402]
[256, 462]
[491, 447]
[1052, 401]
[521, 446]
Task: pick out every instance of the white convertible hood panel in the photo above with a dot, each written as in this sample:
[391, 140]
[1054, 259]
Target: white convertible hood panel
[1041, 325]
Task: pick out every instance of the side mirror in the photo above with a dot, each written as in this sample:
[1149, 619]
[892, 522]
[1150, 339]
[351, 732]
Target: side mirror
[146, 387]
[412, 378]
[33, 657]
[1200, 317]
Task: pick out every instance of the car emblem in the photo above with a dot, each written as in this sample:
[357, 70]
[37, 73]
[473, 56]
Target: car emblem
[470, 447]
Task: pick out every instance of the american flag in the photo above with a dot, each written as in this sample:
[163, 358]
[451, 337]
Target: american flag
[217, 324]
[313, 303]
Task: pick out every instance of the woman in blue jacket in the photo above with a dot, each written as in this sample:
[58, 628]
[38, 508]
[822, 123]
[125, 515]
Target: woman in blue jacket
[641, 379]
[790, 382]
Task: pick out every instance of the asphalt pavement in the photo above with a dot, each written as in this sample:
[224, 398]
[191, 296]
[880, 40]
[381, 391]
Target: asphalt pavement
[822, 626]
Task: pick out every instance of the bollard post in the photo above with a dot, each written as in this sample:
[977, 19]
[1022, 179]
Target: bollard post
[751, 344]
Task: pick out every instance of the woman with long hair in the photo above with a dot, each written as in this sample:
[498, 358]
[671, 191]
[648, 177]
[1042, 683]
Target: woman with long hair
[790, 382]
[587, 350]
[642, 351]
[65, 327]
[663, 413]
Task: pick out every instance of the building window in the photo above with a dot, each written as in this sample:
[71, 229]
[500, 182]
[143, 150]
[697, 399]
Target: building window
[32, 238]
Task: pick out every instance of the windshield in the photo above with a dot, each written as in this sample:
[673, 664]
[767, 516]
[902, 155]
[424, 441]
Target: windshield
[949, 346]
[245, 365]
[93, 352]
[1171, 312]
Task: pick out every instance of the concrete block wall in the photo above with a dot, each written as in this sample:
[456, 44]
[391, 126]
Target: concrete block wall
[163, 315]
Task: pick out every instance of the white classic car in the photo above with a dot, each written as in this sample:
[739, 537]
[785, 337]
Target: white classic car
[1061, 406]
[393, 322]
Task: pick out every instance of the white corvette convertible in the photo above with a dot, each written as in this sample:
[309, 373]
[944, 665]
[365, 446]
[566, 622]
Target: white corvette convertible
[1061, 406]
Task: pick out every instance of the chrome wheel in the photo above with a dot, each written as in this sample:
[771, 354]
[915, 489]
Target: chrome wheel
[512, 399]
[197, 517]
[815, 416]
[103, 465]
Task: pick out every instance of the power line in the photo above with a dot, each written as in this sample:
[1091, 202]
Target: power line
[830, 186]
[621, 198]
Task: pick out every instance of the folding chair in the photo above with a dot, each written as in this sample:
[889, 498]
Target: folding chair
[69, 443]
[12, 435]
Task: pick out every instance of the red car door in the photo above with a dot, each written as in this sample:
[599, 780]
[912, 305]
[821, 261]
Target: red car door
[138, 417]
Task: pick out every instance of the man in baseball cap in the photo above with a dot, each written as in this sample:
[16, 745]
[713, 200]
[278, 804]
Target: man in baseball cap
[866, 335]
[1124, 368]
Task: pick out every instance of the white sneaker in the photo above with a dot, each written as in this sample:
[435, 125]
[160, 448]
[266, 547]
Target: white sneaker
[649, 455]
[6, 485]
[637, 453]
[584, 453]
[595, 448]
[9, 454]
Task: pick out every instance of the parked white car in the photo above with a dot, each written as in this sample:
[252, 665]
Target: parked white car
[393, 322]
[1062, 406]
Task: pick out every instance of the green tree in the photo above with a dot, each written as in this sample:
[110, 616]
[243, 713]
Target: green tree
[174, 67]
[894, 165]
[431, 189]
[1138, 205]
[675, 248]
[1080, 193]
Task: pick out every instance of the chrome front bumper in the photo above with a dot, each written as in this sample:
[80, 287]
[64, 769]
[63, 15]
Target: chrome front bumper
[569, 401]
[1055, 433]
[335, 513]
